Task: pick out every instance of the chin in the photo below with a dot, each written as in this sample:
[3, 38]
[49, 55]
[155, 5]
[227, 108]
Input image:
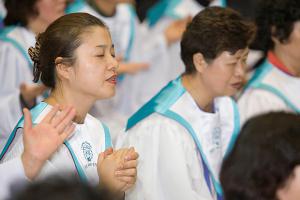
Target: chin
[107, 95]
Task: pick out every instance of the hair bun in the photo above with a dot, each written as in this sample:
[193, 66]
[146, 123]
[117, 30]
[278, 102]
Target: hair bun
[34, 52]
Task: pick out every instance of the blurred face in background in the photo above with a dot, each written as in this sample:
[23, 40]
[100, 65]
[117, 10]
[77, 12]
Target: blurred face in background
[50, 10]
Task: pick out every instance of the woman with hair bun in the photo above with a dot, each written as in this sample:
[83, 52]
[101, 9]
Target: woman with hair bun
[75, 58]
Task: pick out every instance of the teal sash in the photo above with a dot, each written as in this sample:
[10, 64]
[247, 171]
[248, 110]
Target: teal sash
[4, 37]
[161, 104]
[256, 82]
[35, 112]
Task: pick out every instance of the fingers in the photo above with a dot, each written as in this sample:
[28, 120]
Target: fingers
[127, 179]
[131, 155]
[51, 114]
[128, 165]
[100, 158]
[126, 172]
[59, 117]
[64, 119]
[126, 187]
[27, 120]
[67, 132]
[108, 152]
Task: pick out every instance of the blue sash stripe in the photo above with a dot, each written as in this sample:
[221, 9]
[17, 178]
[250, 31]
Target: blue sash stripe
[4, 37]
[34, 114]
[78, 167]
[277, 92]
[223, 3]
[162, 101]
[237, 127]
[74, 7]
[185, 124]
[256, 82]
[160, 9]
[132, 33]
[108, 142]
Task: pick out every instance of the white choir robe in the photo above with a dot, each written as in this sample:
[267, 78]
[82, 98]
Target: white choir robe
[164, 60]
[15, 69]
[78, 155]
[170, 165]
[270, 90]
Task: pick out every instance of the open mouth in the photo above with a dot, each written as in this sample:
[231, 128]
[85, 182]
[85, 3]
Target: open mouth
[112, 79]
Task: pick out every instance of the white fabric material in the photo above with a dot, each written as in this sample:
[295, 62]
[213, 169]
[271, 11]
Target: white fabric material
[10, 173]
[14, 70]
[257, 101]
[165, 63]
[170, 166]
[61, 162]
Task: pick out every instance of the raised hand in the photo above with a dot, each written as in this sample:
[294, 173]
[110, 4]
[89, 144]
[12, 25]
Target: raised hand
[42, 140]
[117, 170]
[174, 31]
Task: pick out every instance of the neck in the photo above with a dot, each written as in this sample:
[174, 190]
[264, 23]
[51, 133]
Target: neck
[80, 102]
[195, 86]
[106, 7]
[291, 63]
[36, 26]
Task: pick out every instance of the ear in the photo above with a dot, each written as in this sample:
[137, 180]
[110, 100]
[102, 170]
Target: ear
[63, 70]
[199, 62]
[273, 38]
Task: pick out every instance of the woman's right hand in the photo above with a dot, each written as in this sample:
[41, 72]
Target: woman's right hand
[42, 140]
[117, 169]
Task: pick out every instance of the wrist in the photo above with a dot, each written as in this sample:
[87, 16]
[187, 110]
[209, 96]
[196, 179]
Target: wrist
[31, 165]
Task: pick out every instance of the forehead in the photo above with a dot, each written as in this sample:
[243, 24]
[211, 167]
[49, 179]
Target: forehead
[91, 39]
[96, 35]
[238, 54]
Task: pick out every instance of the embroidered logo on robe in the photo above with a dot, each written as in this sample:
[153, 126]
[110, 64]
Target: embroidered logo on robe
[87, 151]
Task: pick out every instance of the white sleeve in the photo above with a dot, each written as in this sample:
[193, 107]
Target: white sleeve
[168, 166]
[14, 70]
[147, 44]
[10, 113]
[11, 172]
[256, 101]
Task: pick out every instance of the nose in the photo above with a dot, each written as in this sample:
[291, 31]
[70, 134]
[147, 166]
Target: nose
[241, 69]
[113, 64]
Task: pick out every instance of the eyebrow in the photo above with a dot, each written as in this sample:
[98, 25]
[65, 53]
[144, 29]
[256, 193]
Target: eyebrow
[104, 46]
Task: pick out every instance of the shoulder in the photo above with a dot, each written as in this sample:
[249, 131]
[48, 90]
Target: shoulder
[258, 101]
[259, 97]
[156, 128]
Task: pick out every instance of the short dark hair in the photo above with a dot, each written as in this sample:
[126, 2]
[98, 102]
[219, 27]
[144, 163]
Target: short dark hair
[18, 12]
[213, 31]
[58, 188]
[278, 14]
[263, 158]
[60, 39]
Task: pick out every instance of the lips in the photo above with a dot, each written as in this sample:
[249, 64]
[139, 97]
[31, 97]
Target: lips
[237, 85]
[112, 79]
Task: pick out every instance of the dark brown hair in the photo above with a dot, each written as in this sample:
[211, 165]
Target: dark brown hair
[281, 15]
[263, 159]
[60, 39]
[213, 31]
[19, 11]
